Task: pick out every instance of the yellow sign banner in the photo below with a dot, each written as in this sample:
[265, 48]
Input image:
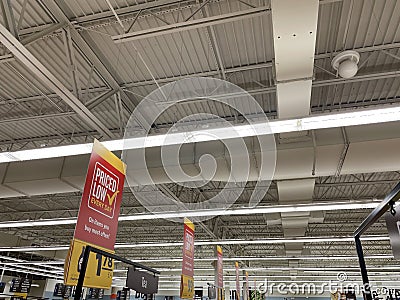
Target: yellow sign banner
[187, 287]
[99, 270]
[21, 295]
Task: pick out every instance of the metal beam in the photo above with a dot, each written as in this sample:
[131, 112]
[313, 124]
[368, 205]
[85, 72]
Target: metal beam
[39, 117]
[200, 74]
[22, 15]
[213, 38]
[147, 6]
[92, 103]
[193, 24]
[358, 78]
[8, 17]
[128, 10]
[38, 35]
[33, 64]
[33, 38]
[266, 90]
[71, 62]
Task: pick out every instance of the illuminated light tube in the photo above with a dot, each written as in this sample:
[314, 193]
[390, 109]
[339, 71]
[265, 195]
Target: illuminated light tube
[323, 121]
[27, 270]
[207, 243]
[265, 258]
[348, 269]
[353, 205]
[33, 272]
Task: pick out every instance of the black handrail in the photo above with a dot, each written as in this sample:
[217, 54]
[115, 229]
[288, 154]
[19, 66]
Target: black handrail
[379, 211]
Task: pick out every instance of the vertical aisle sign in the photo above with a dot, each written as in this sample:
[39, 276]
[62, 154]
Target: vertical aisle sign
[220, 274]
[187, 281]
[97, 219]
[247, 286]
[237, 281]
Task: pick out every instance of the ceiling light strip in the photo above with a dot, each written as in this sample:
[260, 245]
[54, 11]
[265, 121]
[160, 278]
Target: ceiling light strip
[264, 258]
[349, 205]
[323, 121]
[207, 243]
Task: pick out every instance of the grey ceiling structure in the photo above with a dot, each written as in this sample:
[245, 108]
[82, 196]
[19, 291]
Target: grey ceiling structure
[72, 71]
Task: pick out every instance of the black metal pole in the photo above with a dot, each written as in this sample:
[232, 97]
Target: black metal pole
[363, 267]
[82, 273]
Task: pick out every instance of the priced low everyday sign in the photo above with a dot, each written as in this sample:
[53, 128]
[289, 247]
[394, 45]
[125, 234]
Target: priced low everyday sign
[141, 281]
[97, 223]
[101, 199]
[187, 280]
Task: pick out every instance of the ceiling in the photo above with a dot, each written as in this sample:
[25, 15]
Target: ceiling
[78, 72]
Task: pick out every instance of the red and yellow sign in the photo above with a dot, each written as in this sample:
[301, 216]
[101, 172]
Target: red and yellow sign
[220, 271]
[21, 295]
[187, 280]
[101, 198]
[99, 270]
[247, 286]
[237, 280]
[97, 219]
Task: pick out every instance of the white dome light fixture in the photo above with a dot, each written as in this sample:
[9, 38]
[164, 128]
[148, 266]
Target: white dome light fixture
[345, 63]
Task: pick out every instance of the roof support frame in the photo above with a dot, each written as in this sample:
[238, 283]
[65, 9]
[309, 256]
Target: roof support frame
[8, 17]
[50, 80]
[193, 24]
[60, 10]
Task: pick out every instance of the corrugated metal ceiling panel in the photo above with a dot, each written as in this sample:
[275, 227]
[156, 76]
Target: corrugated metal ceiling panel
[243, 42]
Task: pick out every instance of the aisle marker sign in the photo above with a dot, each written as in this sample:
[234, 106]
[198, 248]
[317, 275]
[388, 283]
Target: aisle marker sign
[97, 219]
[237, 280]
[247, 286]
[187, 281]
[101, 199]
[220, 275]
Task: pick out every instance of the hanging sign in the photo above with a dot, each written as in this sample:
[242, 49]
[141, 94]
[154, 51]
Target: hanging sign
[97, 219]
[187, 280]
[212, 293]
[237, 281]
[220, 271]
[101, 199]
[247, 286]
[142, 282]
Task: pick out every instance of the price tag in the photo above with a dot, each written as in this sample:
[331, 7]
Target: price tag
[99, 270]
[187, 287]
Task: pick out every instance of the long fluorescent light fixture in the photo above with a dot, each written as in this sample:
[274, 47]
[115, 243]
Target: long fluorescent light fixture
[208, 212]
[323, 121]
[209, 243]
[30, 272]
[264, 258]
